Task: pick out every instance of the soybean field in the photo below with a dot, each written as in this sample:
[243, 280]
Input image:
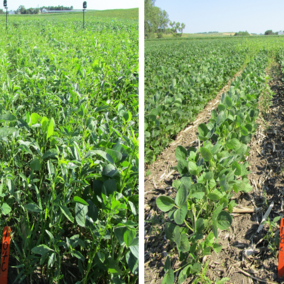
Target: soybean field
[69, 146]
[214, 196]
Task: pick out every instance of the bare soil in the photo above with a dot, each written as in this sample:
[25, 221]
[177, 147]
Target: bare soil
[247, 256]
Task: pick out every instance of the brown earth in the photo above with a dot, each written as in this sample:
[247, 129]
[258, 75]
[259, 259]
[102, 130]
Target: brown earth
[267, 179]
[247, 256]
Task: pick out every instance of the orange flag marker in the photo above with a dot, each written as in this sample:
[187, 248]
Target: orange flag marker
[5, 255]
[281, 250]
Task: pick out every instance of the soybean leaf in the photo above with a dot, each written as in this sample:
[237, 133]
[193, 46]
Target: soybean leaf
[169, 277]
[80, 214]
[224, 220]
[5, 209]
[49, 154]
[134, 247]
[221, 118]
[110, 170]
[181, 196]
[202, 131]
[184, 243]
[233, 144]
[183, 274]
[35, 164]
[8, 117]
[176, 235]
[180, 214]
[215, 195]
[113, 267]
[119, 233]
[165, 203]
[6, 131]
[217, 247]
[244, 131]
[246, 139]
[93, 211]
[221, 107]
[101, 256]
[128, 236]
[167, 264]
[228, 102]
[169, 230]
[192, 168]
[208, 176]
[237, 168]
[101, 153]
[195, 268]
[199, 225]
[215, 228]
[182, 167]
[186, 182]
[115, 155]
[180, 153]
[132, 262]
[206, 154]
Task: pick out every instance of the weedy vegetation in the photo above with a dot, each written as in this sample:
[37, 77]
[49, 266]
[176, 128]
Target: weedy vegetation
[69, 148]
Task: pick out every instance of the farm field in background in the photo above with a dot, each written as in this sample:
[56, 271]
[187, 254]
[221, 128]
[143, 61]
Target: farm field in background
[69, 146]
[198, 225]
[203, 35]
[181, 76]
[125, 14]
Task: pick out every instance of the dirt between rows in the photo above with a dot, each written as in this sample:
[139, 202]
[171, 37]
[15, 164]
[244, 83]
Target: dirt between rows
[247, 256]
[159, 182]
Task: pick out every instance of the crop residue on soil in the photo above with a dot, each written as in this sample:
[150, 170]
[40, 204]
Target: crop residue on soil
[247, 256]
[159, 182]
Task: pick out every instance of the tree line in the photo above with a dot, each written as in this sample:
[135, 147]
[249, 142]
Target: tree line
[246, 33]
[270, 32]
[23, 10]
[156, 21]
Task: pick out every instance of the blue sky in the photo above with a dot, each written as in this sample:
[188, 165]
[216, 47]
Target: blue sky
[92, 4]
[255, 16]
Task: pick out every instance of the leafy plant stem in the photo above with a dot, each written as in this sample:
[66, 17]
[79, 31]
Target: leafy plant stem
[188, 225]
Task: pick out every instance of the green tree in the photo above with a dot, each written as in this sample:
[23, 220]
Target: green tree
[149, 17]
[175, 27]
[163, 20]
[182, 27]
[246, 33]
[269, 32]
[156, 20]
[22, 9]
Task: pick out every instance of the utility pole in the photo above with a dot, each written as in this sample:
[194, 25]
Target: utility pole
[5, 5]
[84, 8]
